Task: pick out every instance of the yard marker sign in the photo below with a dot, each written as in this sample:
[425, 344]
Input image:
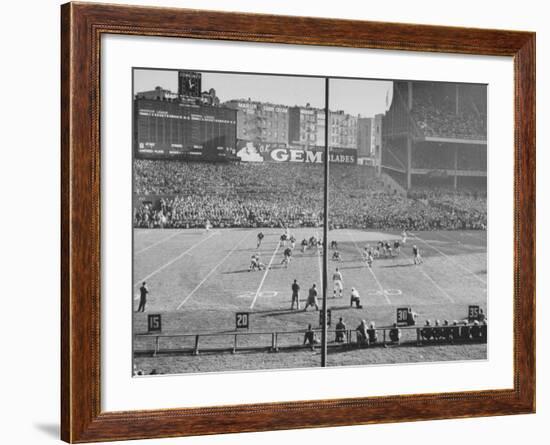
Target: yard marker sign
[242, 320]
[154, 323]
[473, 313]
[402, 316]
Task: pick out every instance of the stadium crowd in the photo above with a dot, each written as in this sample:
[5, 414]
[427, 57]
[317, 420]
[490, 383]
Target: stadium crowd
[442, 120]
[228, 195]
[186, 195]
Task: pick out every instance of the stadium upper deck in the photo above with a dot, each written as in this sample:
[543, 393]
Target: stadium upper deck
[436, 134]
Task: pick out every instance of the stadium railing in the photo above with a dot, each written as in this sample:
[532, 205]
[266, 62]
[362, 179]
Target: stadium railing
[293, 340]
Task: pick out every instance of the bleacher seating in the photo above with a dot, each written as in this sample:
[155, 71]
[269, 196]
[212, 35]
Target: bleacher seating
[435, 116]
[268, 195]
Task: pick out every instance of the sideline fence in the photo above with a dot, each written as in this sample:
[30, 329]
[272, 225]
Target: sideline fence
[274, 341]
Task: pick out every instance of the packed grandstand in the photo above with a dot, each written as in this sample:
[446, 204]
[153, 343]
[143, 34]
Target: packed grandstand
[174, 194]
[434, 148]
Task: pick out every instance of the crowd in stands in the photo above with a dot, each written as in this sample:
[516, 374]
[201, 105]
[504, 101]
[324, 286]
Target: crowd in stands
[441, 119]
[186, 195]
[468, 206]
[228, 195]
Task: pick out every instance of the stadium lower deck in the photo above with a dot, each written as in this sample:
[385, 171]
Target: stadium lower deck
[198, 280]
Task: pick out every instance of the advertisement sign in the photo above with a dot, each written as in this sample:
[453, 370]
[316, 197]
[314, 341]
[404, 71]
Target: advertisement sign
[249, 151]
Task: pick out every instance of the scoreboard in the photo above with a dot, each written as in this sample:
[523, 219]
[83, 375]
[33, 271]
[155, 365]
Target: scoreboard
[167, 129]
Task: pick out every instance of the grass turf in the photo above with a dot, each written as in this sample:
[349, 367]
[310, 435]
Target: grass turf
[198, 281]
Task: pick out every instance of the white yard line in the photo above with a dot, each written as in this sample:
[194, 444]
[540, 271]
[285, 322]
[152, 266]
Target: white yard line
[369, 268]
[455, 241]
[450, 259]
[212, 271]
[158, 242]
[265, 275]
[478, 234]
[172, 261]
[437, 286]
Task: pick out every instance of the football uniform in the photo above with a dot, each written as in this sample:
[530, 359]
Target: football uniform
[338, 282]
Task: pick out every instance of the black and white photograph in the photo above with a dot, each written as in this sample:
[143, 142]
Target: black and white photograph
[287, 221]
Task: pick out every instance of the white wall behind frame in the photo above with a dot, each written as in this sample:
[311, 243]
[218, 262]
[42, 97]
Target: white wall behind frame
[28, 246]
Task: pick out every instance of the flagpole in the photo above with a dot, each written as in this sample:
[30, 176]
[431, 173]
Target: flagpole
[324, 284]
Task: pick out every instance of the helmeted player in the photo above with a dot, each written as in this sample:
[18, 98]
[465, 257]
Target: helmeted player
[417, 258]
[312, 298]
[355, 298]
[397, 247]
[283, 239]
[404, 237]
[336, 256]
[338, 280]
[287, 255]
[292, 242]
[207, 225]
[255, 263]
[304, 245]
[260, 237]
[366, 252]
[369, 259]
[295, 295]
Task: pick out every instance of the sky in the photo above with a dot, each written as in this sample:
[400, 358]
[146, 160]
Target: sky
[357, 97]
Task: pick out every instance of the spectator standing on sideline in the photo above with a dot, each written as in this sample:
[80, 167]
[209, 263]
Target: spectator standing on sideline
[295, 295]
[340, 330]
[143, 291]
[312, 298]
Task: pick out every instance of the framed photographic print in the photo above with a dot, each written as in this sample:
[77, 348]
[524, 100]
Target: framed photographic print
[284, 222]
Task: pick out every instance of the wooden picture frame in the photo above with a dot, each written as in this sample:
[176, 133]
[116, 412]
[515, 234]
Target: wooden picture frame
[82, 26]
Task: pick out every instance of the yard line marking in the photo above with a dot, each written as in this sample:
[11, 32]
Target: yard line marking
[172, 261]
[451, 260]
[465, 244]
[158, 242]
[445, 293]
[477, 237]
[369, 268]
[212, 271]
[265, 274]
[455, 241]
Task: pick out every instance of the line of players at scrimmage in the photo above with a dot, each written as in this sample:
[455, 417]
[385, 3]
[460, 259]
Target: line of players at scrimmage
[383, 249]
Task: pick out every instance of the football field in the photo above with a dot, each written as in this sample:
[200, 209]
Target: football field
[199, 280]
